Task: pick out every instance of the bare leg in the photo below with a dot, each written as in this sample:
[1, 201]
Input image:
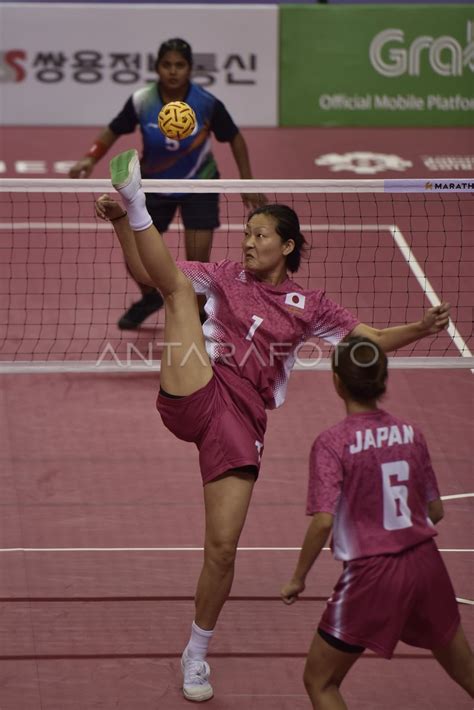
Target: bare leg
[144, 288]
[458, 661]
[326, 668]
[226, 501]
[198, 244]
[185, 365]
[198, 248]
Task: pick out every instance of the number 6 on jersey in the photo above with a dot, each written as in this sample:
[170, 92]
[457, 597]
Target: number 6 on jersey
[396, 513]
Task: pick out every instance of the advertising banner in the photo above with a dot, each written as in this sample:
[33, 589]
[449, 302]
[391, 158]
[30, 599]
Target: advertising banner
[377, 66]
[400, 2]
[72, 65]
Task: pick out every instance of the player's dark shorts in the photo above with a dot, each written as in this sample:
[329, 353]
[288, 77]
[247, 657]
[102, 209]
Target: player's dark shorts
[198, 211]
[226, 420]
[381, 600]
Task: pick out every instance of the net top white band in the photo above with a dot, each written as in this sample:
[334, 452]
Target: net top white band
[242, 186]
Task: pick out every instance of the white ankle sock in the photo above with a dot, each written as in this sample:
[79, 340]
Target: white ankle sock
[198, 643]
[137, 212]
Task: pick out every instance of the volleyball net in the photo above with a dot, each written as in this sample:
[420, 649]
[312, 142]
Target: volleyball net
[386, 250]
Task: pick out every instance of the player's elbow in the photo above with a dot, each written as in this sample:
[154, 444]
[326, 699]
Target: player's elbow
[435, 511]
[366, 331]
[435, 519]
[324, 522]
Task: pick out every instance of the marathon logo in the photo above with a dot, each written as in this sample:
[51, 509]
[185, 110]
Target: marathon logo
[447, 186]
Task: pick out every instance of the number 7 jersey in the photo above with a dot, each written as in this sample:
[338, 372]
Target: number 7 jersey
[256, 328]
[373, 472]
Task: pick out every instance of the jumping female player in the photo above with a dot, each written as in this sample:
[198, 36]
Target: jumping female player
[217, 381]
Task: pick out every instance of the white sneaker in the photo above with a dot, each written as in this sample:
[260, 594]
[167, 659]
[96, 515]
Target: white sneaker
[196, 684]
[125, 174]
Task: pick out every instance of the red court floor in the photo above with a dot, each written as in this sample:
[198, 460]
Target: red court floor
[101, 519]
[101, 621]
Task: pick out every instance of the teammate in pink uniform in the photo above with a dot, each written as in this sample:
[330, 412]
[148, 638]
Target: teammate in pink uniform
[217, 381]
[371, 482]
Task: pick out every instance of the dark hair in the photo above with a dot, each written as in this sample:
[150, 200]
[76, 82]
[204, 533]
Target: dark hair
[362, 368]
[287, 227]
[175, 45]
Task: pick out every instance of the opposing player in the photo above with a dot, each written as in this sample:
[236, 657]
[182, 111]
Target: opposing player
[217, 382]
[171, 159]
[371, 482]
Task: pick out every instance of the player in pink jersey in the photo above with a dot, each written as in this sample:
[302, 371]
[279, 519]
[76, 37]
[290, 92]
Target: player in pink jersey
[371, 482]
[217, 381]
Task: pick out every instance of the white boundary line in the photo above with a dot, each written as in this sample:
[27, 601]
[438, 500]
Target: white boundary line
[44, 367]
[200, 549]
[460, 600]
[177, 549]
[427, 288]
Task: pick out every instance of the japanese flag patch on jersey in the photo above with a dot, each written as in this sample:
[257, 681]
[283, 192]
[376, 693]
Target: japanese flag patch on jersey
[295, 301]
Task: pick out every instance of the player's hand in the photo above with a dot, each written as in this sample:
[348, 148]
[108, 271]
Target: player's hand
[289, 593]
[436, 319]
[107, 208]
[252, 200]
[82, 169]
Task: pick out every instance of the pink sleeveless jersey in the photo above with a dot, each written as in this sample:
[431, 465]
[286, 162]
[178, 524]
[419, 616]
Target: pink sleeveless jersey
[373, 472]
[256, 328]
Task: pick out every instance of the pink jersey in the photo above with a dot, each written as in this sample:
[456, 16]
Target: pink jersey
[256, 327]
[373, 472]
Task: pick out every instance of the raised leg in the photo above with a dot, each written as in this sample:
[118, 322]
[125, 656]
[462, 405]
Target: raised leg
[198, 248]
[185, 365]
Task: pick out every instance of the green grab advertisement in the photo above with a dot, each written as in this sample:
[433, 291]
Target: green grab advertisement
[366, 65]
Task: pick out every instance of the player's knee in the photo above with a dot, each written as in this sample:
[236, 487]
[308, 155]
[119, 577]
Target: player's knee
[310, 679]
[314, 689]
[316, 680]
[221, 553]
[181, 292]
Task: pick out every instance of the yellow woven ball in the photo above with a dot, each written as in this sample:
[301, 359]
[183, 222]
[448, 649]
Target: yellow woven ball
[177, 120]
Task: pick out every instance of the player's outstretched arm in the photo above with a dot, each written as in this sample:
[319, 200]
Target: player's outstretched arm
[240, 152]
[316, 537]
[84, 167]
[434, 320]
[107, 208]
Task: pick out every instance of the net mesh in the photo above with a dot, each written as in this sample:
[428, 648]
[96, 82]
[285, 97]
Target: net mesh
[385, 256]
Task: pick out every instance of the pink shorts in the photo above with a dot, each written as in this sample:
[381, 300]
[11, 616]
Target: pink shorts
[381, 600]
[226, 420]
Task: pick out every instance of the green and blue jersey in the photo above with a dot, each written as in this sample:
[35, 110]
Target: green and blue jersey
[168, 159]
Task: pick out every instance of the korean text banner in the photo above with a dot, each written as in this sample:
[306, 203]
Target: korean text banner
[73, 65]
[377, 66]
